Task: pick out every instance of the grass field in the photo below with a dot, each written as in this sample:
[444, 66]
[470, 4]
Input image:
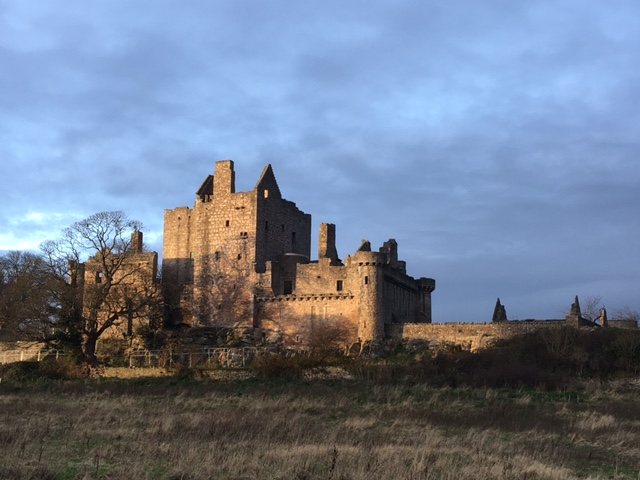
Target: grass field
[181, 428]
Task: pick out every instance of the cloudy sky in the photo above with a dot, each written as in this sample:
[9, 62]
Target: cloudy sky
[498, 142]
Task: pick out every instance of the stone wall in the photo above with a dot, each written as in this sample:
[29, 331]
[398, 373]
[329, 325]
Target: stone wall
[474, 336]
[295, 317]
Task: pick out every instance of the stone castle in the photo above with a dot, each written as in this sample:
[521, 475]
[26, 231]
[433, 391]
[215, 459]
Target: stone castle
[242, 259]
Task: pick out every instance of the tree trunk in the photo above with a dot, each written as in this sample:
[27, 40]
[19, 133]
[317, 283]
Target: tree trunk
[89, 350]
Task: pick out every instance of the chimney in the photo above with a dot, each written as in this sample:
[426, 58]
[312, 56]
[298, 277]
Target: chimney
[224, 180]
[136, 241]
[327, 243]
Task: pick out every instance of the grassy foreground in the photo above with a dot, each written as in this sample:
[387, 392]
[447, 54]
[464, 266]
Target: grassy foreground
[169, 428]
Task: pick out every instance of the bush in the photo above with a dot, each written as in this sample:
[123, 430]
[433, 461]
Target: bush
[277, 366]
[32, 371]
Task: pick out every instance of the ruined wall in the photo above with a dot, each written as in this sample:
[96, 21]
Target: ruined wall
[296, 317]
[474, 336]
[627, 324]
[400, 297]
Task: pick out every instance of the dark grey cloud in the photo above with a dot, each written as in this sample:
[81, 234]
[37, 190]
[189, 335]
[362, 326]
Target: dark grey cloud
[497, 143]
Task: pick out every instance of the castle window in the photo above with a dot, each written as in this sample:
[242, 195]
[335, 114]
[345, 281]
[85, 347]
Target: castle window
[266, 193]
[366, 280]
[283, 227]
[339, 285]
[239, 256]
[293, 238]
[226, 223]
[217, 255]
[288, 287]
[98, 277]
[244, 235]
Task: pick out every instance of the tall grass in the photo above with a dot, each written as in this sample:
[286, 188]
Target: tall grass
[172, 429]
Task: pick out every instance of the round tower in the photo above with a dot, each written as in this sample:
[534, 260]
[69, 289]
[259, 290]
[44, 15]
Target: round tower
[371, 305]
[425, 287]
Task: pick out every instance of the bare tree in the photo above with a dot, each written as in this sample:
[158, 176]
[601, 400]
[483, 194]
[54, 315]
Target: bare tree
[109, 283]
[222, 287]
[328, 336]
[590, 307]
[25, 300]
[626, 313]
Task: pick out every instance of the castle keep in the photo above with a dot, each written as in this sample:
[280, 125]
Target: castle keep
[242, 259]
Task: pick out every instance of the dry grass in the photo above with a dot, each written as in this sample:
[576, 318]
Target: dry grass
[185, 429]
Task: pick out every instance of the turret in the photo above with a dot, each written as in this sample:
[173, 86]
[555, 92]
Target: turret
[371, 308]
[425, 287]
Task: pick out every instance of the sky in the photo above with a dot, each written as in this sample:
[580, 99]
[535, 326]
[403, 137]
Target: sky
[498, 142]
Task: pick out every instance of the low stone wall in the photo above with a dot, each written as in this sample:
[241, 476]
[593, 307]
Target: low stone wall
[471, 336]
[631, 324]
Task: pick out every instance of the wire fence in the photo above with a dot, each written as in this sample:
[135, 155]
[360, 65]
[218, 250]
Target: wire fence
[219, 357]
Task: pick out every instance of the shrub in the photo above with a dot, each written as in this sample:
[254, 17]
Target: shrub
[277, 366]
[32, 371]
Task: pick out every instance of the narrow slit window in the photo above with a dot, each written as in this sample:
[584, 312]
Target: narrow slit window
[366, 280]
[226, 223]
[339, 285]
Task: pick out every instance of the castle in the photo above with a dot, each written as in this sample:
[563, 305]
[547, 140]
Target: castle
[242, 259]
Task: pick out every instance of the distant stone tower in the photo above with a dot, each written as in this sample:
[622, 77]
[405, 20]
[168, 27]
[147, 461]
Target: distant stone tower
[499, 313]
[604, 322]
[575, 315]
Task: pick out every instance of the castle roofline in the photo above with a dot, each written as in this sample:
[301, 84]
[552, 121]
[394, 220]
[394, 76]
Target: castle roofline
[268, 180]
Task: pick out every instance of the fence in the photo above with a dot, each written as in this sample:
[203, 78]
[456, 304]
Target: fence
[220, 357]
[10, 356]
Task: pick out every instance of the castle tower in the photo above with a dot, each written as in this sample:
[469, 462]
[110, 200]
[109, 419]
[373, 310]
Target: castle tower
[425, 287]
[371, 307]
